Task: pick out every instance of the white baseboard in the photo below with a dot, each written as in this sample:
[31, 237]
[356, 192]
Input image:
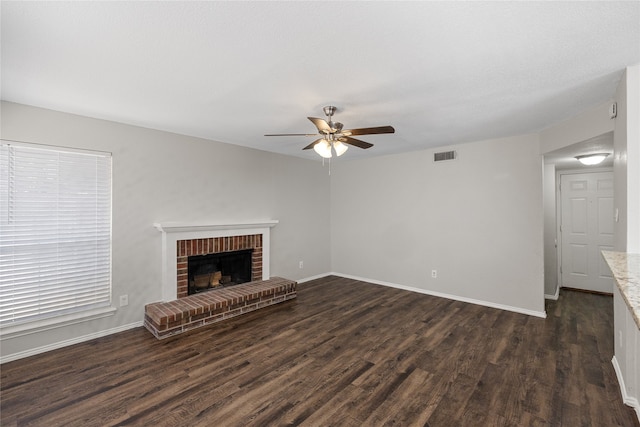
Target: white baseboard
[626, 399]
[554, 296]
[57, 345]
[310, 278]
[520, 310]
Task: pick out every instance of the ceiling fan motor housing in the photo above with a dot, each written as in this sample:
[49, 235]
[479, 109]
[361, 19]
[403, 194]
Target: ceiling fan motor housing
[336, 127]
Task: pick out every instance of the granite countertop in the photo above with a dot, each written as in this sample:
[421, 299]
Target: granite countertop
[626, 270]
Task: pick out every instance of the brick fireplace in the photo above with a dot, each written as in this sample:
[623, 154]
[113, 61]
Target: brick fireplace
[216, 245]
[181, 240]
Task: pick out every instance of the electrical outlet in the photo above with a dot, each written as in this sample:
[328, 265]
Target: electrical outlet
[301, 265]
[434, 274]
[124, 300]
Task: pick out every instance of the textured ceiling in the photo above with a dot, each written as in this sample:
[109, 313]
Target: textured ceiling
[439, 72]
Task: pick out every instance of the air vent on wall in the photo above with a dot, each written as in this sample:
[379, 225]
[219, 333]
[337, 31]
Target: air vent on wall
[444, 155]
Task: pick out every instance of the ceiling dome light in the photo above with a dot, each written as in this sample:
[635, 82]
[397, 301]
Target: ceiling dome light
[323, 148]
[592, 159]
[340, 148]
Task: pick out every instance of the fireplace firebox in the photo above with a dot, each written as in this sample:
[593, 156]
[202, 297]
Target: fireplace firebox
[217, 270]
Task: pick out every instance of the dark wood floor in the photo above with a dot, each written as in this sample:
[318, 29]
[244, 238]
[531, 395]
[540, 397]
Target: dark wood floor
[345, 353]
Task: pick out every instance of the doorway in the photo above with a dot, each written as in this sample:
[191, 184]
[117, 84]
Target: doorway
[586, 227]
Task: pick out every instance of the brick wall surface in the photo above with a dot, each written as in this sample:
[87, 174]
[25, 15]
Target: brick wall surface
[214, 245]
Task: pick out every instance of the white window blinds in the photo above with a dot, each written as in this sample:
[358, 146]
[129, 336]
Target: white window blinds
[55, 232]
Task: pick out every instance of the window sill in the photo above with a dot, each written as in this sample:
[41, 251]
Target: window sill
[13, 331]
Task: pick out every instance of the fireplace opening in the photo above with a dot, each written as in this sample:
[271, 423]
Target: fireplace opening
[216, 270]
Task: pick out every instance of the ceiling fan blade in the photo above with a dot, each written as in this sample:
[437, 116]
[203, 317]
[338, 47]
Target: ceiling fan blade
[308, 147]
[369, 131]
[321, 124]
[355, 142]
[292, 134]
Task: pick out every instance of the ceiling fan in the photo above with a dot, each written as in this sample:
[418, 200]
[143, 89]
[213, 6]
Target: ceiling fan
[333, 136]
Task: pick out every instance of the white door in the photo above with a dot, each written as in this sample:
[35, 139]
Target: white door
[586, 229]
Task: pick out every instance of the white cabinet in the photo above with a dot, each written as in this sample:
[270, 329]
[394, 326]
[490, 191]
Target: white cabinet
[626, 359]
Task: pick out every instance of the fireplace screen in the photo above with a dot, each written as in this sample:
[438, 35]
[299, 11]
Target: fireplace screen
[220, 269]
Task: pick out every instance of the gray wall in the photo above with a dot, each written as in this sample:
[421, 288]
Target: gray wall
[550, 245]
[586, 125]
[478, 220]
[626, 141]
[620, 167]
[159, 176]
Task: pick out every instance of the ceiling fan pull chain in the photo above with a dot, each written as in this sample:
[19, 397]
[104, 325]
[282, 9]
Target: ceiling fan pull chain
[329, 161]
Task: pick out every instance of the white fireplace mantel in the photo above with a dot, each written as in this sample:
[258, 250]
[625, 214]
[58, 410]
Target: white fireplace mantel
[177, 227]
[172, 232]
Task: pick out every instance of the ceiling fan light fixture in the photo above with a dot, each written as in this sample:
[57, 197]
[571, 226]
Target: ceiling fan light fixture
[340, 148]
[323, 148]
[592, 159]
[333, 136]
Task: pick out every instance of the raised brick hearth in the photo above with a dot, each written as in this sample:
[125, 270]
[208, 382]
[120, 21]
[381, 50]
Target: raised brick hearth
[164, 319]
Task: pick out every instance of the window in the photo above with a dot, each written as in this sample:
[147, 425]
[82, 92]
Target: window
[55, 232]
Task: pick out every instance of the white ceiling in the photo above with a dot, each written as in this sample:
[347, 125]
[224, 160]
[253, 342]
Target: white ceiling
[439, 72]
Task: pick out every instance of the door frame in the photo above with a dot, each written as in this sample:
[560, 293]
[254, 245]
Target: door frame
[559, 174]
